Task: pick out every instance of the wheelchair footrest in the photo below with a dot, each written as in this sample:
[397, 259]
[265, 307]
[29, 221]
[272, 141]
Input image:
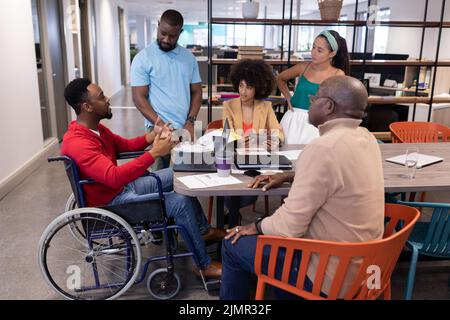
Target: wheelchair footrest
[211, 285]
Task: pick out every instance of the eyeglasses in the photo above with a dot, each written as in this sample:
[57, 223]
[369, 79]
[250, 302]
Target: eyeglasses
[313, 98]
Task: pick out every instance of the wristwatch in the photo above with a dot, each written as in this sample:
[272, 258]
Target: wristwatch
[258, 224]
[192, 119]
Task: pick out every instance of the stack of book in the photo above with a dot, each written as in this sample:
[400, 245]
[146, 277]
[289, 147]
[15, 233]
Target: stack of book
[250, 52]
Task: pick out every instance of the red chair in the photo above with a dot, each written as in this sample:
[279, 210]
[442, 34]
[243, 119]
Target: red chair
[218, 124]
[382, 253]
[417, 132]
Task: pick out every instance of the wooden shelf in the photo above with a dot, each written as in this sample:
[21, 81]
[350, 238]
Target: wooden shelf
[305, 22]
[377, 99]
[441, 63]
[268, 61]
[400, 100]
[279, 22]
[383, 136]
[362, 23]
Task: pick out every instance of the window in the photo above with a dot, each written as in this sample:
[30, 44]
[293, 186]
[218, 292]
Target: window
[342, 30]
[381, 33]
[241, 35]
[305, 39]
[361, 33]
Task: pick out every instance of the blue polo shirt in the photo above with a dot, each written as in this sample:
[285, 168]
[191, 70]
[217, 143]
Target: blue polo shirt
[169, 76]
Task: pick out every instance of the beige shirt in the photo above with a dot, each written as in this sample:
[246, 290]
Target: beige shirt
[263, 116]
[337, 193]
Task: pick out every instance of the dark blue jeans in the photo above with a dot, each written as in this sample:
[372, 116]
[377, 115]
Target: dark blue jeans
[238, 264]
[233, 204]
[186, 211]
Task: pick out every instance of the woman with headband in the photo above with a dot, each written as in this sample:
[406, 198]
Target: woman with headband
[329, 58]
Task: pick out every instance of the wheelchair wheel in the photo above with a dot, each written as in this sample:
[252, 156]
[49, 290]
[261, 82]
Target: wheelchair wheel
[103, 267]
[162, 284]
[75, 228]
[71, 203]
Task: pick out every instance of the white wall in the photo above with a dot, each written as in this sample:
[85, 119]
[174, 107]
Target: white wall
[108, 53]
[67, 31]
[141, 32]
[21, 131]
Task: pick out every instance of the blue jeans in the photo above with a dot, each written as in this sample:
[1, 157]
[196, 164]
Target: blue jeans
[186, 211]
[238, 264]
[233, 204]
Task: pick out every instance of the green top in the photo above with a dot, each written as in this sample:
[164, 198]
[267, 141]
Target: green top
[304, 88]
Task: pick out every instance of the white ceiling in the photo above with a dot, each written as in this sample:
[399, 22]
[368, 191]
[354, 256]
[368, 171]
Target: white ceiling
[196, 10]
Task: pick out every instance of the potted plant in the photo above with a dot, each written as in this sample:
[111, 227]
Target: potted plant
[250, 9]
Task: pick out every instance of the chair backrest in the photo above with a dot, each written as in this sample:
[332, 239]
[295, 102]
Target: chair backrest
[416, 132]
[436, 240]
[134, 212]
[216, 124]
[73, 175]
[382, 254]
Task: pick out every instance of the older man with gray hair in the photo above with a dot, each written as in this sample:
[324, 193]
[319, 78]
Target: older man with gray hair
[337, 191]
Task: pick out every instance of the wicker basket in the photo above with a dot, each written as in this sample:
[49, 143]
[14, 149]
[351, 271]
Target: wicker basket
[330, 9]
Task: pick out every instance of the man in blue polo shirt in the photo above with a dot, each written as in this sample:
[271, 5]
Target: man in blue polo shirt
[166, 81]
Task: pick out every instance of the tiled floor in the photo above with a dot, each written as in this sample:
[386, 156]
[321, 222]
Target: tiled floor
[27, 210]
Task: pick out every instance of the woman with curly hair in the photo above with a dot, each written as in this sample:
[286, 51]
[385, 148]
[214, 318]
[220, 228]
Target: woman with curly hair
[254, 81]
[329, 58]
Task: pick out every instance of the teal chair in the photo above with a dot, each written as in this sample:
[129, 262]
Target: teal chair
[428, 238]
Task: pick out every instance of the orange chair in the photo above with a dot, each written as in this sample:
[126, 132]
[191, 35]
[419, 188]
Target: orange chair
[218, 124]
[416, 132]
[382, 253]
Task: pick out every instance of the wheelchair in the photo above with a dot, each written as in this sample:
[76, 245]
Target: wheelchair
[95, 253]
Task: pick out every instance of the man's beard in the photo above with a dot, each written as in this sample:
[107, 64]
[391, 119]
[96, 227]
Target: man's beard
[109, 115]
[165, 49]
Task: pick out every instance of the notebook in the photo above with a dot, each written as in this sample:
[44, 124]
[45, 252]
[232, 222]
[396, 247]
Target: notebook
[257, 162]
[423, 160]
[193, 162]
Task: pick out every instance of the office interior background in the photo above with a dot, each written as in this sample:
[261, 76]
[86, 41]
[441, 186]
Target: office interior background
[47, 43]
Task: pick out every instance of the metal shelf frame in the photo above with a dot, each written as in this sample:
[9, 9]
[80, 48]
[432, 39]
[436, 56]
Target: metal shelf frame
[290, 22]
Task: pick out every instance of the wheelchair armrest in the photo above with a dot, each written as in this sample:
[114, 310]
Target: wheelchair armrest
[59, 158]
[129, 155]
[159, 183]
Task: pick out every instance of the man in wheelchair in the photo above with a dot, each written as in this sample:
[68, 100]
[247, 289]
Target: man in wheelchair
[94, 147]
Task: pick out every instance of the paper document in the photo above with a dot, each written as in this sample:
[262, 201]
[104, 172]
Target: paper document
[187, 147]
[423, 160]
[252, 151]
[290, 154]
[207, 181]
[207, 139]
[270, 172]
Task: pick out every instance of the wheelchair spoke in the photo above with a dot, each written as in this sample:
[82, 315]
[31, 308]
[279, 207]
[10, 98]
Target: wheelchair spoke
[106, 264]
[111, 271]
[109, 287]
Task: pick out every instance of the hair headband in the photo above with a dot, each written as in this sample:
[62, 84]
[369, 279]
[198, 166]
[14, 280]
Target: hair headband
[331, 40]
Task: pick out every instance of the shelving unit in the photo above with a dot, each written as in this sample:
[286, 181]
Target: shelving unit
[290, 22]
[441, 63]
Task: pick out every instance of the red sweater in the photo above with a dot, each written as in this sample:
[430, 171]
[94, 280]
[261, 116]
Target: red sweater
[95, 156]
